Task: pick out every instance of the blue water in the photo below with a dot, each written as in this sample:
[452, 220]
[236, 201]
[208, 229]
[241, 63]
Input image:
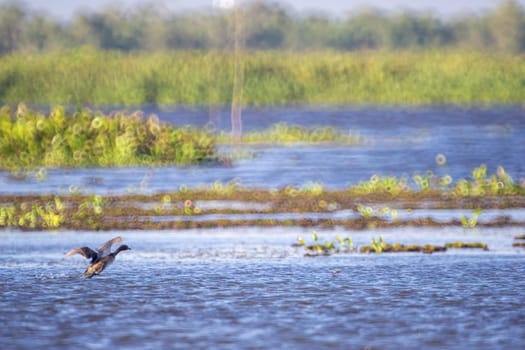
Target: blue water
[248, 288]
[397, 142]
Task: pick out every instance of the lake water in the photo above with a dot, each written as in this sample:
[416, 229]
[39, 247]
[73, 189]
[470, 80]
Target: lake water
[398, 142]
[248, 288]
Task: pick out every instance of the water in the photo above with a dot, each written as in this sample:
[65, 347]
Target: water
[399, 142]
[248, 288]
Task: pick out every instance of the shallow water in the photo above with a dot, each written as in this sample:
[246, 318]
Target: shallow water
[398, 142]
[248, 288]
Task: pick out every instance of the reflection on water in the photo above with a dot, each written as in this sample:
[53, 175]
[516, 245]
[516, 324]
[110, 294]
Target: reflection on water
[248, 288]
[399, 142]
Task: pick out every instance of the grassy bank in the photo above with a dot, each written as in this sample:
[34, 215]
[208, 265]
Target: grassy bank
[85, 76]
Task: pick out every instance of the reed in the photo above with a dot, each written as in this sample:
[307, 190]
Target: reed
[87, 76]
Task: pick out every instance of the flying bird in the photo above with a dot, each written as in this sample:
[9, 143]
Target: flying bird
[101, 258]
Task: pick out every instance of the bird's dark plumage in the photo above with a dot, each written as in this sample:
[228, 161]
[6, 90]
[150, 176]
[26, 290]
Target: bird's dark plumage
[99, 266]
[100, 258]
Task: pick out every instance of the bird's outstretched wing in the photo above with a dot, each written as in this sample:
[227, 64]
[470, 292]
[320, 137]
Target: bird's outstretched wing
[105, 249]
[86, 252]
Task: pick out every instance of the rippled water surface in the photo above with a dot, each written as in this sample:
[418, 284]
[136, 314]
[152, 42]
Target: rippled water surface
[397, 142]
[248, 288]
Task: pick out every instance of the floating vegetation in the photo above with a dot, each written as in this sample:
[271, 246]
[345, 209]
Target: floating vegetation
[480, 185]
[310, 205]
[500, 183]
[339, 245]
[379, 202]
[85, 138]
[385, 212]
[50, 215]
[284, 133]
[382, 185]
[473, 220]
[467, 245]
[379, 246]
[401, 248]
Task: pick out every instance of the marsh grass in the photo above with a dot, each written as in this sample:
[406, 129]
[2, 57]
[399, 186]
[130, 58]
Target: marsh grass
[479, 185]
[284, 133]
[85, 138]
[86, 76]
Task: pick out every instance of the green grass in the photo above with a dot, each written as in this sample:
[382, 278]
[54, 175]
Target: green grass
[284, 133]
[86, 76]
[85, 138]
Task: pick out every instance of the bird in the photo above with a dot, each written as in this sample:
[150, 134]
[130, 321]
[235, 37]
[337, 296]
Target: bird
[101, 257]
[97, 267]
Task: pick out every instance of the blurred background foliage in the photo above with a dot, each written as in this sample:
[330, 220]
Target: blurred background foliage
[268, 25]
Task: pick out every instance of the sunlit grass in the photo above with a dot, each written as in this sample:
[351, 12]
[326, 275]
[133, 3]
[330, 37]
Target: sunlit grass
[86, 76]
[283, 133]
[86, 138]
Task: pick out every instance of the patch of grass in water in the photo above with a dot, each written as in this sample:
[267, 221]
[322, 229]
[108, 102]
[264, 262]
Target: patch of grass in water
[86, 138]
[283, 133]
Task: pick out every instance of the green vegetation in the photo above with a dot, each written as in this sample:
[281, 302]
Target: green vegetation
[29, 139]
[85, 76]
[481, 184]
[473, 220]
[378, 246]
[284, 133]
[183, 209]
[339, 245]
[410, 248]
[467, 245]
[47, 216]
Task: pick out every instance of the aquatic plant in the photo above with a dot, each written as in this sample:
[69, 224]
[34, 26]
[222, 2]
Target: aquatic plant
[473, 220]
[497, 184]
[365, 211]
[50, 215]
[225, 189]
[339, 245]
[378, 245]
[189, 208]
[381, 184]
[467, 245]
[368, 212]
[87, 138]
[312, 188]
[284, 133]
